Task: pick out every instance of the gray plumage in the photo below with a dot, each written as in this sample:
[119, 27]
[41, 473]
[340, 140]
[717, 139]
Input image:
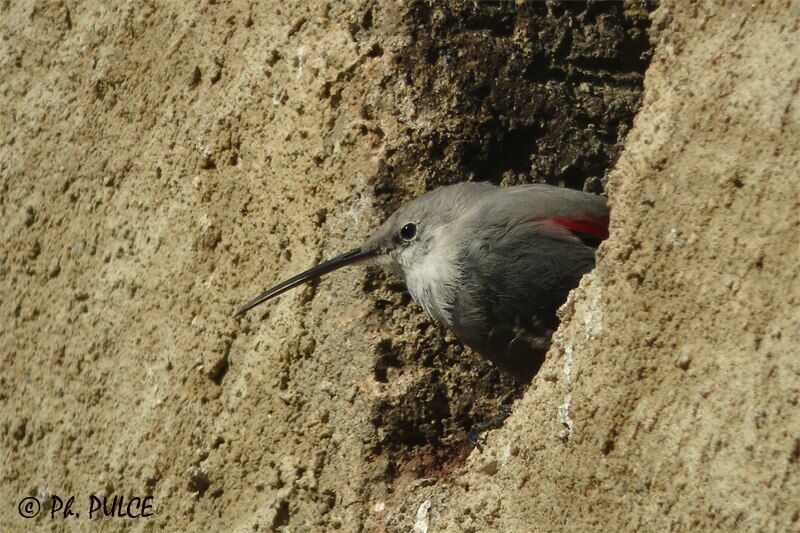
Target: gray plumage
[490, 263]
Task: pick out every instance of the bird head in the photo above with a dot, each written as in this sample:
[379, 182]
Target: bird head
[404, 239]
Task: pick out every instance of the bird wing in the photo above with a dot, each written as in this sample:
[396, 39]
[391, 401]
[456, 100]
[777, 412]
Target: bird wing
[522, 251]
[555, 212]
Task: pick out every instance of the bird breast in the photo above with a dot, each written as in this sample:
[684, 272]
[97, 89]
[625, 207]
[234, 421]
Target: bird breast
[432, 281]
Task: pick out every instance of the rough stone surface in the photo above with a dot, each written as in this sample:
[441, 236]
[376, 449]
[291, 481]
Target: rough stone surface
[160, 164]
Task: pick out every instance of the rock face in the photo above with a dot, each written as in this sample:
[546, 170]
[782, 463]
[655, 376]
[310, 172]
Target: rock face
[160, 165]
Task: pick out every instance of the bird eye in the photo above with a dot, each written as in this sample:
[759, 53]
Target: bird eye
[408, 231]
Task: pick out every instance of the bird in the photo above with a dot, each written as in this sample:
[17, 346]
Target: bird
[490, 263]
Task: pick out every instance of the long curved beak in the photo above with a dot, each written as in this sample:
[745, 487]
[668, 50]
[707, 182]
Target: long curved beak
[349, 258]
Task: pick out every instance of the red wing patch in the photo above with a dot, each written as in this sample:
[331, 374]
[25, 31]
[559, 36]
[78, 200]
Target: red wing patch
[590, 226]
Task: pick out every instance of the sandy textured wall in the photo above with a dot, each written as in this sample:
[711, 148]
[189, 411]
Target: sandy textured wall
[161, 163]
